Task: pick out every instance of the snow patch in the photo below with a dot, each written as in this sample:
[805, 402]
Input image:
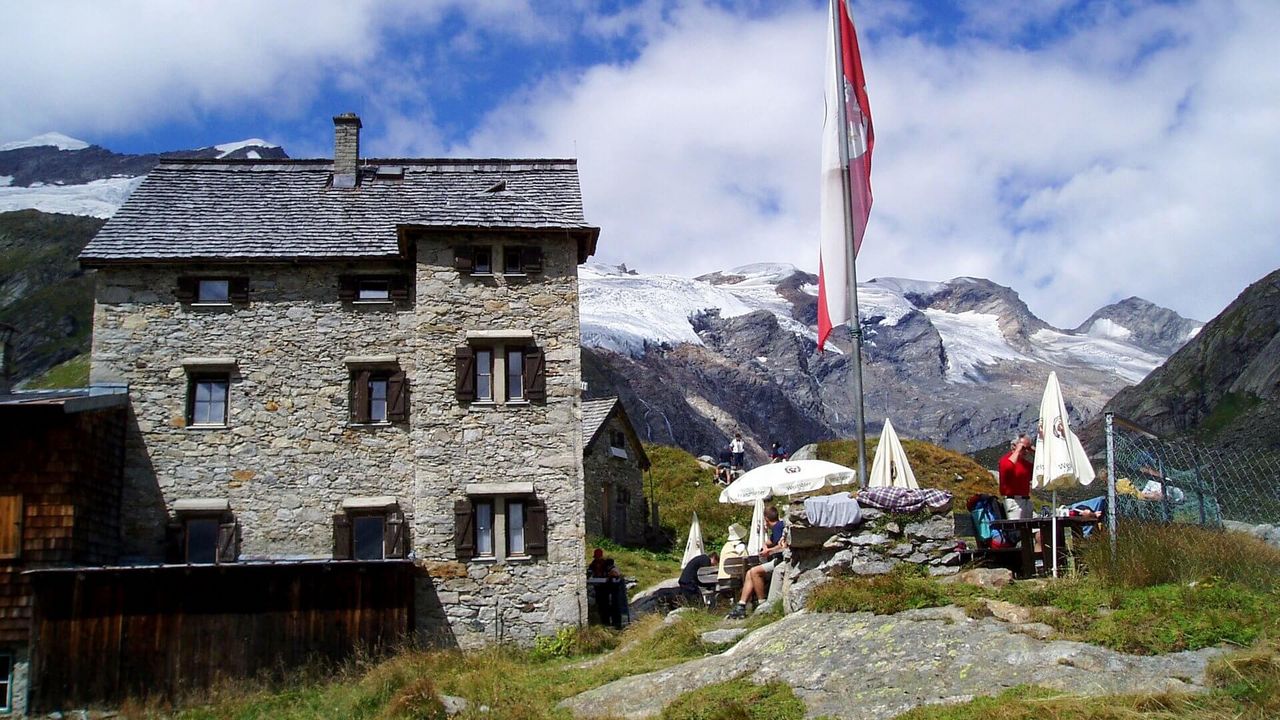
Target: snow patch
[1104, 328]
[971, 340]
[100, 198]
[227, 148]
[626, 313]
[1128, 361]
[6, 180]
[1192, 333]
[58, 140]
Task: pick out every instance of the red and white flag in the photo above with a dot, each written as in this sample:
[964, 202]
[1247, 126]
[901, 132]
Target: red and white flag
[846, 88]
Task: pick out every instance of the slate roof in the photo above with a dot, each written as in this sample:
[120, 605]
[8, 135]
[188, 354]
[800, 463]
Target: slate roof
[287, 209]
[595, 413]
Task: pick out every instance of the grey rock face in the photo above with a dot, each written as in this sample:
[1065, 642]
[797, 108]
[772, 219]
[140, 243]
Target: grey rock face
[1148, 325]
[867, 667]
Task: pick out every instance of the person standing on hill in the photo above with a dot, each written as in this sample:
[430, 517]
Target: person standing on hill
[1015, 478]
[739, 449]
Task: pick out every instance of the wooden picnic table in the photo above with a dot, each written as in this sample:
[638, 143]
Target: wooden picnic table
[1024, 527]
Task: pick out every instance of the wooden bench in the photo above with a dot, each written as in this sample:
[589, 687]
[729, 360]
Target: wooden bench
[980, 550]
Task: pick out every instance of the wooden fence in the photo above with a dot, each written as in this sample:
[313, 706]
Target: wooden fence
[101, 635]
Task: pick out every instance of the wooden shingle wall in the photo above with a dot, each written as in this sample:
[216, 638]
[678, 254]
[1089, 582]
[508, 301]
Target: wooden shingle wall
[63, 472]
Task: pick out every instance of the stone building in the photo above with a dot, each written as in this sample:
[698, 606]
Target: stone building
[614, 463]
[356, 361]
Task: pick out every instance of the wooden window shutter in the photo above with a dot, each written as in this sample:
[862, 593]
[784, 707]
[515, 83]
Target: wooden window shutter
[397, 398]
[175, 535]
[535, 374]
[464, 533]
[347, 287]
[360, 397]
[395, 535]
[531, 259]
[228, 542]
[535, 527]
[398, 287]
[341, 537]
[187, 289]
[238, 289]
[464, 259]
[464, 359]
[10, 526]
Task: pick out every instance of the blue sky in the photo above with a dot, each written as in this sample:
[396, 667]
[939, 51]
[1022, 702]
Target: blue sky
[1080, 152]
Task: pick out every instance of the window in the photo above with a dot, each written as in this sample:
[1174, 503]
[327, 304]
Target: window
[473, 259]
[484, 375]
[489, 372]
[203, 532]
[500, 527]
[481, 259]
[374, 289]
[379, 396]
[207, 399]
[212, 290]
[515, 375]
[617, 444]
[10, 527]
[6, 681]
[370, 529]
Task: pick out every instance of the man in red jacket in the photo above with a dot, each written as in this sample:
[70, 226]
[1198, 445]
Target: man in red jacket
[1015, 480]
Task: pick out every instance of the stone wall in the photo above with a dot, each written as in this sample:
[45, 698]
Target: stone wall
[289, 456]
[609, 480]
[874, 547]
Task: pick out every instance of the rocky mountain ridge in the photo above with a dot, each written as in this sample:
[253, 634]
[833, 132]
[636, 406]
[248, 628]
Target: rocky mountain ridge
[961, 363]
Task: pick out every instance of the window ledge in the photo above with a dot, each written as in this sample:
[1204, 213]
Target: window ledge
[207, 426]
[518, 402]
[484, 403]
[370, 425]
[375, 303]
[213, 305]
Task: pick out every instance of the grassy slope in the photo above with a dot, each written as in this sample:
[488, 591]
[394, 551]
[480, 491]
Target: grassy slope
[43, 291]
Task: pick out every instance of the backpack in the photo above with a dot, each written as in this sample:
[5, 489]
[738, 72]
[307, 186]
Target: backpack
[985, 510]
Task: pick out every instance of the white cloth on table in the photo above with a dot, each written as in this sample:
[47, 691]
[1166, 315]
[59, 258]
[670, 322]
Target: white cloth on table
[838, 510]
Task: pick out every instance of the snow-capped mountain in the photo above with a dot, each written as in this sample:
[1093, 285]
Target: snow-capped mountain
[54, 173]
[961, 362]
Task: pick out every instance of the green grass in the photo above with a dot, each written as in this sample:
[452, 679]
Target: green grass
[906, 588]
[73, 373]
[934, 467]
[682, 486]
[1227, 410]
[737, 699]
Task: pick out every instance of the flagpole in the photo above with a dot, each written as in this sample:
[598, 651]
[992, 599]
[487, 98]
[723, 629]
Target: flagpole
[855, 323]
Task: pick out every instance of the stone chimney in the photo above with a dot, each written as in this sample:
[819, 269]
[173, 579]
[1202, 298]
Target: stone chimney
[346, 145]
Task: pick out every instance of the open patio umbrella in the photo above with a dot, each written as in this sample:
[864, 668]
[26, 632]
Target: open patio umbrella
[1060, 461]
[755, 543]
[785, 478]
[693, 546]
[890, 467]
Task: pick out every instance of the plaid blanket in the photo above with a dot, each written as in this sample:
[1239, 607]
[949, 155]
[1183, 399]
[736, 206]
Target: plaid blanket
[903, 500]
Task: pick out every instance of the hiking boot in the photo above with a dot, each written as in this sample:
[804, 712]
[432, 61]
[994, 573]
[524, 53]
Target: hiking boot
[739, 612]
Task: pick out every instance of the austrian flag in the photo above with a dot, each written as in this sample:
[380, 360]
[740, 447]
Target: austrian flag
[847, 142]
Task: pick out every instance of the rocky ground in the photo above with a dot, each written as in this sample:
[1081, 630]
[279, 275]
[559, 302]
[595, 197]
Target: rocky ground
[861, 666]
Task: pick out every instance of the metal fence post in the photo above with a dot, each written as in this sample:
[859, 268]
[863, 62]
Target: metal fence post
[1112, 509]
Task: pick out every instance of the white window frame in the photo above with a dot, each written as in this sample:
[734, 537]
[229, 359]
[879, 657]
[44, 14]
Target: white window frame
[508, 378]
[488, 369]
[373, 290]
[6, 696]
[212, 378]
[501, 498]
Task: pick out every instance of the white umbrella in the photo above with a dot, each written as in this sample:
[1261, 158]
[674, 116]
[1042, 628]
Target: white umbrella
[755, 543]
[1060, 457]
[890, 467]
[785, 478]
[693, 546]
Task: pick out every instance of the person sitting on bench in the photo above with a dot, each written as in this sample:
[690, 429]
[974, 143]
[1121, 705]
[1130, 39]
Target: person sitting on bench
[756, 584]
[690, 588]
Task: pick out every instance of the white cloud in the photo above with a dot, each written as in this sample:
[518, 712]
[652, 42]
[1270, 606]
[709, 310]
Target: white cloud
[1131, 155]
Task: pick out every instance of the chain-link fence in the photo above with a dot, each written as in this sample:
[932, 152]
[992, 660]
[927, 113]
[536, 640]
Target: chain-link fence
[1178, 481]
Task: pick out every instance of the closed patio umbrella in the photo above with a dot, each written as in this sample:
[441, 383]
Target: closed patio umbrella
[755, 543]
[1060, 461]
[693, 546]
[890, 467]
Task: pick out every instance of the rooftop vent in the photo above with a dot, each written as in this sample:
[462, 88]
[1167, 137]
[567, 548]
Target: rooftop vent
[389, 172]
[500, 186]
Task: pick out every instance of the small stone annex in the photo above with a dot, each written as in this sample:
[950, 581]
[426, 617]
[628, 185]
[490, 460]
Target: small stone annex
[346, 367]
[614, 463]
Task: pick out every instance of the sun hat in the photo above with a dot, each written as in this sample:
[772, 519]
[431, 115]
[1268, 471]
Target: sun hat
[737, 533]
